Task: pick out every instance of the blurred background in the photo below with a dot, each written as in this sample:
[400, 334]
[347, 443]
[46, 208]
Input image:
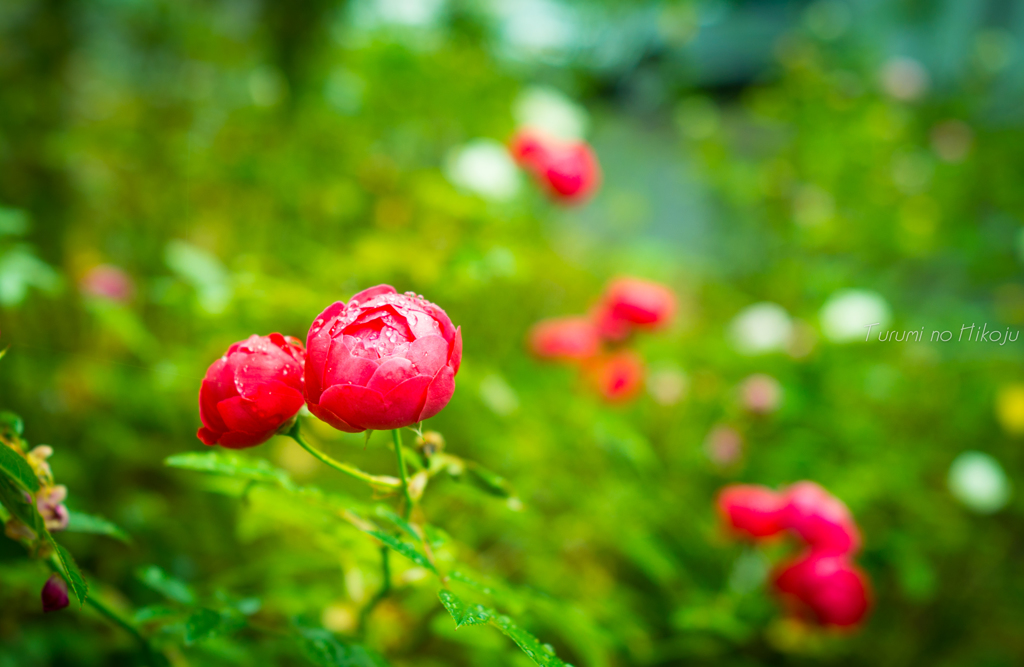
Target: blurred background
[177, 175]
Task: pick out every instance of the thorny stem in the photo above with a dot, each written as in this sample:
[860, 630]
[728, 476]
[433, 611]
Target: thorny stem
[396, 434]
[378, 481]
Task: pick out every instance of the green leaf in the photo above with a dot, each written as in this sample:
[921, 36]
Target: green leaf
[542, 654]
[207, 623]
[485, 480]
[79, 522]
[231, 465]
[156, 612]
[13, 498]
[71, 572]
[15, 467]
[166, 585]
[323, 649]
[11, 420]
[406, 550]
[385, 512]
[462, 613]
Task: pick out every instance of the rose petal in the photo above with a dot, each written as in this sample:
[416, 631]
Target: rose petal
[207, 436]
[428, 354]
[438, 393]
[345, 368]
[239, 414]
[391, 373]
[208, 406]
[359, 406]
[456, 359]
[276, 403]
[241, 440]
[318, 345]
[325, 415]
[407, 399]
[371, 292]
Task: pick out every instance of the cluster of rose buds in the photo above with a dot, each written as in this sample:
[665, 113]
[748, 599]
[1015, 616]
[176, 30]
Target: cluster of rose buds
[596, 343]
[566, 170]
[49, 502]
[384, 360]
[823, 580]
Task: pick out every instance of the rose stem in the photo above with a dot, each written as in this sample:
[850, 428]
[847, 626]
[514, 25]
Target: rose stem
[374, 480]
[397, 435]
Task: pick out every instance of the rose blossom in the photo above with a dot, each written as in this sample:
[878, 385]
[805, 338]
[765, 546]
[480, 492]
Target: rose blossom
[632, 303]
[568, 170]
[832, 587]
[564, 339]
[250, 392]
[754, 510]
[383, 361]
[821, 519]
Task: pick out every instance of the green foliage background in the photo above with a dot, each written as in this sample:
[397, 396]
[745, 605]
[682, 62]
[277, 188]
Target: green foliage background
[249, 163]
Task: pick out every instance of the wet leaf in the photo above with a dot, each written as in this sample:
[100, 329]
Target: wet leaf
[323, 649]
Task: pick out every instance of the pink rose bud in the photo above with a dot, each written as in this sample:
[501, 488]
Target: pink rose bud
[568, 170]
[761, 394]
[618, 376]
[564, 339]
[750, 509]
[250, 392]
[632, 303]
[383, 361]
[49, 502]
[107, 282]
[55, 593]
[832, 588]
[821, 519]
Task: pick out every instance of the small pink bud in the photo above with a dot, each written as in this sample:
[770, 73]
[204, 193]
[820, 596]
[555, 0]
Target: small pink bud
[55, 593]
[107, 282]
[761, 394]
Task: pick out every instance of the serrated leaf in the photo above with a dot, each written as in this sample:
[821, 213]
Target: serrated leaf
[231, 465]
[166, 585]
[71, 572]
[542, 654]
[385, 512]
[463, 613]
[79, 522]
[323, 649]
[17, 469]
[406, 550]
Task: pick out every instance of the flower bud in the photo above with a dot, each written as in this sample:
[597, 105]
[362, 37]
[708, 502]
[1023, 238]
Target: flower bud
[50, 503]
[632, 303]
[250, 392]
[564, 339]
[821, 519]
[430, 443]
[383, 361]
[568, 170]
[833, 589]
[750, 509]
[55, 593]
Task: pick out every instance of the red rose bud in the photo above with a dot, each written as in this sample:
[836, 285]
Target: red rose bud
[618, 376]
[564, 339]
[831, 587]
[384, 361]
[55, 593]
[754, 510]
[821, 519]
[632, 303]
[251, 391]
[568, 170]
